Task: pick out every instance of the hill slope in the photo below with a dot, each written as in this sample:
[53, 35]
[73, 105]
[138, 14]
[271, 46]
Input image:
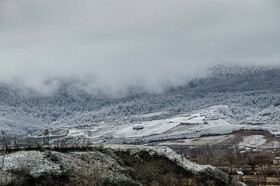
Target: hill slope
[109, 165]
[247, 91]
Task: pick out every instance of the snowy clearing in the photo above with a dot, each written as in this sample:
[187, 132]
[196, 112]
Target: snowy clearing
[252, 141]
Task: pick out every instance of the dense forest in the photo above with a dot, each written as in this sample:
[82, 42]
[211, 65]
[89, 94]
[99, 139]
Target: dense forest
[246, 90]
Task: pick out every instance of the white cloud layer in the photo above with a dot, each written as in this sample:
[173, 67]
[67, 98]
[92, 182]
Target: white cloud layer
[114, 44]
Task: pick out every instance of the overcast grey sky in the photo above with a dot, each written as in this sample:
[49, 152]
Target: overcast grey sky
[113, 44]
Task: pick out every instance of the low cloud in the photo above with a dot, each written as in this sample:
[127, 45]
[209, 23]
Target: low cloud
[114, 45]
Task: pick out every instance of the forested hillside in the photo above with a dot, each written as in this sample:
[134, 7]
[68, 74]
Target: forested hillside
[246, 90]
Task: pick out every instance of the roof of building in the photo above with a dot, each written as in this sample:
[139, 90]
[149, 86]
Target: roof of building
[239, 172]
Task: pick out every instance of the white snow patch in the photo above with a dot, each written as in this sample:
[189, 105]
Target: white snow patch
[212, 140]
[30, 161]
[150, 128]
[75, 132]
[252, 141]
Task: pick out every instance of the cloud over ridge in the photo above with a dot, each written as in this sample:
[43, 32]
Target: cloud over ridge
[113, 45]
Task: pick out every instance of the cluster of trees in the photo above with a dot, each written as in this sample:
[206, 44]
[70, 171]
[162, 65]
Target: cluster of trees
[229, 159]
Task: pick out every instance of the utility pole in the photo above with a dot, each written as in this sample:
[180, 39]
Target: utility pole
[46, 137]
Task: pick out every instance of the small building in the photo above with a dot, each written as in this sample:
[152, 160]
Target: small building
[249, 150]
[240, 173]
[242, 152]
[138, 127]
[255, 150]
[276, 160]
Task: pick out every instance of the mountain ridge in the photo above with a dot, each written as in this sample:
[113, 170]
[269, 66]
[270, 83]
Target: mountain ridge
[251, 89]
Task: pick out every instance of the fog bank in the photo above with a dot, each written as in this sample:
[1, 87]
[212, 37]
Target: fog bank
[114, 45]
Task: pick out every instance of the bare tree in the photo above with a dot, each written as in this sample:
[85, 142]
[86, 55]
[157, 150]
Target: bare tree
[231, 157]
[3, 158]
[263, 160]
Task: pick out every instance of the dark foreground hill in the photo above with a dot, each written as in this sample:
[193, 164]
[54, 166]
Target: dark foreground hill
[108, 165]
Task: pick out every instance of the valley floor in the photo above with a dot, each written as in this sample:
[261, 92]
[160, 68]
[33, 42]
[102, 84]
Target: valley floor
[252, 157]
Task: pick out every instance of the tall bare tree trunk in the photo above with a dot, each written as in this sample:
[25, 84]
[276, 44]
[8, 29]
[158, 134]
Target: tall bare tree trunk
[3, 158]
[2, 165]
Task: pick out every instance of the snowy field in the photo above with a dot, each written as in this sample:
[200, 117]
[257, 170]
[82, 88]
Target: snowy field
[215, 120]
[252, 141]
[211, 140]
[240, 139]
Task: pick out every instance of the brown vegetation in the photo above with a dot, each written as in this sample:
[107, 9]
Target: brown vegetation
[258, 168]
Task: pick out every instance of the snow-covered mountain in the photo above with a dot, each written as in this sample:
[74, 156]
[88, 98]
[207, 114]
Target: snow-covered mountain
[248, 95]
[214, 120]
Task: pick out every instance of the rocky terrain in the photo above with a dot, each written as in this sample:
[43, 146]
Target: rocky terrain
[108, 165]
